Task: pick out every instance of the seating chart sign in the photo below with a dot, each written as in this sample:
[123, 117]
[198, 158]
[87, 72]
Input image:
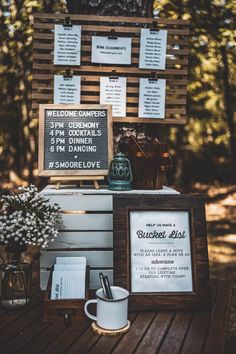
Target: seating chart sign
[66, 89]
[132, 47]
[67, 45]
[152, 98]
[75, 140]
[160, 251]
[113, 92]
[152, 53]
[106, 50]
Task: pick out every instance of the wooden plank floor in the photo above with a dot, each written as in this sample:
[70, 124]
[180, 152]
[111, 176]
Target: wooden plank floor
[166, 332]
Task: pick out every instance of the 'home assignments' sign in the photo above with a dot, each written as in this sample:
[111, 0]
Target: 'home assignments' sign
[74, 140]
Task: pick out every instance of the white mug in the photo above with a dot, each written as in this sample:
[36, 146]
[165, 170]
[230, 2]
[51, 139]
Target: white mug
[111, 314]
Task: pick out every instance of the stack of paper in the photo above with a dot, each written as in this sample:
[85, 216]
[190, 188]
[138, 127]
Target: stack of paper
[68, 278]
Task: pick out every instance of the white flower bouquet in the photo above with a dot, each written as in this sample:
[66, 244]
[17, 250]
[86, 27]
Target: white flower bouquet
[27, 218]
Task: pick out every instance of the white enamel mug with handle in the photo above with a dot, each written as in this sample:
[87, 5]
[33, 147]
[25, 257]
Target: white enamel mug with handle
[111, 314]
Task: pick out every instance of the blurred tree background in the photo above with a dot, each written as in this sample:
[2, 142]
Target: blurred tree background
[204, 150]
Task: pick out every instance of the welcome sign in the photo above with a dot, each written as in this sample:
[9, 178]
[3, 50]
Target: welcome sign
[74, 140]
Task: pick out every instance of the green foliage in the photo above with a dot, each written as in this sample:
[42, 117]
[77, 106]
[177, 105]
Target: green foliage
[108, 7]
[211, 88]
[17, 131]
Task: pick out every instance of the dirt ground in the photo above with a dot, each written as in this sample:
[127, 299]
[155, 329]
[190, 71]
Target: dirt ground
[221, 223]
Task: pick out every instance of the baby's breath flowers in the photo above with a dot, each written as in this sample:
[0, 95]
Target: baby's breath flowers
[28, 218]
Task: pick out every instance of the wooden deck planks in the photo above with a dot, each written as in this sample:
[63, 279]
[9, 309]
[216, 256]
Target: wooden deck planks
[155, 333]
[199, 325]
[8, 317]
[107, 345]
[131, 339]
[84, 343]
[22, 338]
[195, 332]
[174, 338]
[43, 339]
[19, 323]
[64, 341]
[215, 341]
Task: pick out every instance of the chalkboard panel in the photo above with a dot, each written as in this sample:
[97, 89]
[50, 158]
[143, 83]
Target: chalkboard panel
[75, 140]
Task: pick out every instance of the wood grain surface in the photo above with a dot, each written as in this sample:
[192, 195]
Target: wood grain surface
[192, 331]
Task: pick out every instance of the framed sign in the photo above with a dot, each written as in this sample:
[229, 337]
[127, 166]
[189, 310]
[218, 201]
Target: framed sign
[75, 140]
[160, 250]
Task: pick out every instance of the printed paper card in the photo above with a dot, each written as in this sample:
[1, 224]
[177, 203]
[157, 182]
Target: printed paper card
[111, 51]
[152, 98]
[71, 266]
[68, 278]
[71, 260]
[66, 89]
[152, 54]
[68, 285]
[113, 92]
[67, 45]
[160, 251]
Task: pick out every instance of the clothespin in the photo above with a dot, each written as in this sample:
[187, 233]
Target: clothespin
[154, 27]
[153, 76]
[113, 34]
[113, 75]
[68, 73]
[67, 22]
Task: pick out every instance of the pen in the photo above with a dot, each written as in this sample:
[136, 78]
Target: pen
[108, 288]
[101, 277]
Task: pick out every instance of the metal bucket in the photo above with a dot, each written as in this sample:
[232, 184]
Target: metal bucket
[149, 161]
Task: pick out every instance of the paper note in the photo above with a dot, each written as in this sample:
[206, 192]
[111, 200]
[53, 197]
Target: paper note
[152, 98]
[68, 278]
[160, 251]
[70, 260]
[68, 285]
[66, 89]
[113, 92]
[152, 54]
[72, 267]
[111, 51]
[67, 44]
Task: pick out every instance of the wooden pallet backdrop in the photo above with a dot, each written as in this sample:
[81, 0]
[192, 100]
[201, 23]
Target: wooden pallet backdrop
[176, 62]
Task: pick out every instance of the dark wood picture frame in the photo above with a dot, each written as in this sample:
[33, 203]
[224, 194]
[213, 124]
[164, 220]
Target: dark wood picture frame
[199, 297]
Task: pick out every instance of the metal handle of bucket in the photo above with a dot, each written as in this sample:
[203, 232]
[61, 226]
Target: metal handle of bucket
[148, 155]
[135, 141]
